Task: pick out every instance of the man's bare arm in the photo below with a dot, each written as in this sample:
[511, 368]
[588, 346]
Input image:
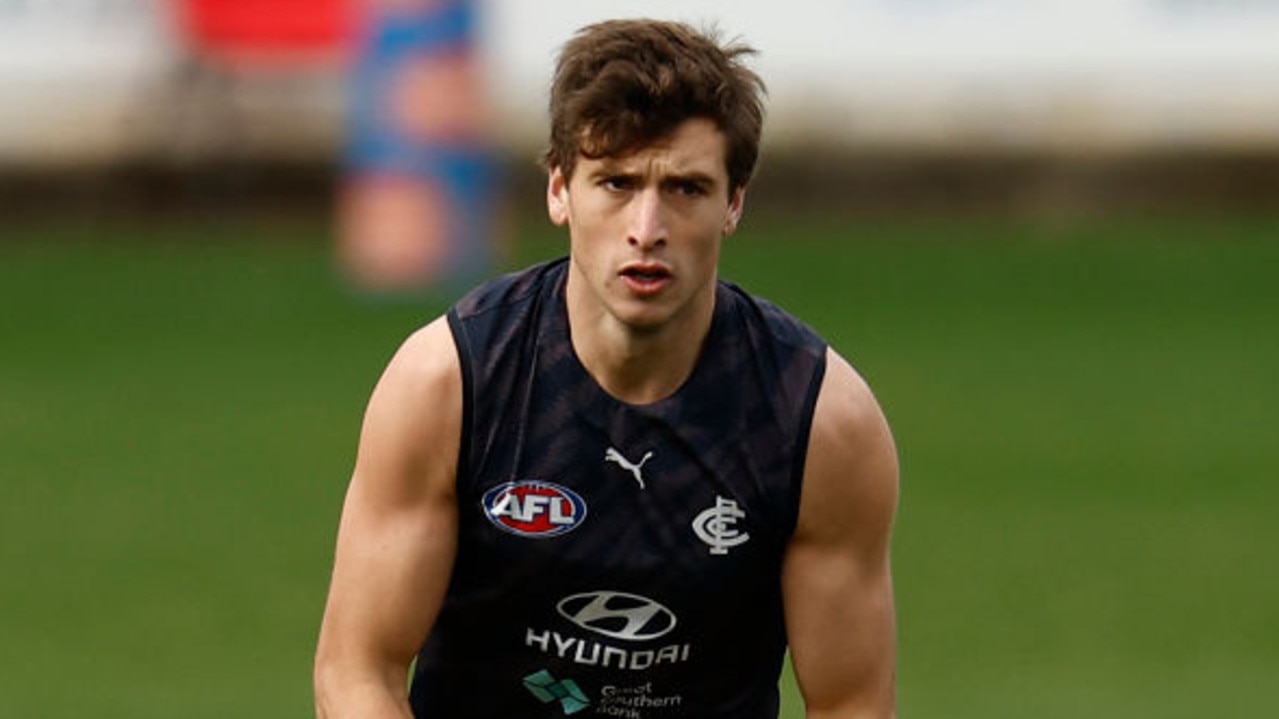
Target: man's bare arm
[836, 581]
[398, 536]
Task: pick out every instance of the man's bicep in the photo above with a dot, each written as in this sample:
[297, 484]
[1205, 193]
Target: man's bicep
[837, 580]
[397, 537]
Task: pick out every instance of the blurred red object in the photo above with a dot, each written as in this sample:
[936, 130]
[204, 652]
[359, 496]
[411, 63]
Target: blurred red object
[266, 29]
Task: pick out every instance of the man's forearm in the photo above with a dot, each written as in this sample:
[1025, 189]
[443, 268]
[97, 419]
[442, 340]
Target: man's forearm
[338, 698]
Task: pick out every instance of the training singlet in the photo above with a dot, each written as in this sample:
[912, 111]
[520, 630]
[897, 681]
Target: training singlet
[613, 559]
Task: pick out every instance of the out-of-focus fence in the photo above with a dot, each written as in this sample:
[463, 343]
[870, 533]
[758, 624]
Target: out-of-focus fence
[1008, 85]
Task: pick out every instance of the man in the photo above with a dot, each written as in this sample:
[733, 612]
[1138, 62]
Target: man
[614, 485]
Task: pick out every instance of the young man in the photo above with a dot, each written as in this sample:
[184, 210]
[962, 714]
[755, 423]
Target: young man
[612, 484]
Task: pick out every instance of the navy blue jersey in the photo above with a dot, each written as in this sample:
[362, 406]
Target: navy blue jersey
[618, 559]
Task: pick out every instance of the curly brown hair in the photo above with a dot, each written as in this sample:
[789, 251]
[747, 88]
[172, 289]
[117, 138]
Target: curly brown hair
[622, 84]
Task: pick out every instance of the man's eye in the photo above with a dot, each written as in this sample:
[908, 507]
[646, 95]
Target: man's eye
[690, 189]
[616, 183]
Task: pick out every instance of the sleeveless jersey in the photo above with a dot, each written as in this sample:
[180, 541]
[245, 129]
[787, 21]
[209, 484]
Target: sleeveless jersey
[615, 559]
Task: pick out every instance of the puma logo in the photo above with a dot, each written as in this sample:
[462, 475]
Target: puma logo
[634, 468]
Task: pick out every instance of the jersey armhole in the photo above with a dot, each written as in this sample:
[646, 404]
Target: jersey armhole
[465, 361]
[802, 438]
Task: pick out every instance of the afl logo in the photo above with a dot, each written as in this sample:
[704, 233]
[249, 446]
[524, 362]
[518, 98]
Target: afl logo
[618, 615]
[534, 509]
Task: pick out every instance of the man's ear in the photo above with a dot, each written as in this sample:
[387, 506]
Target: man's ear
[557, 196]
[736, 203]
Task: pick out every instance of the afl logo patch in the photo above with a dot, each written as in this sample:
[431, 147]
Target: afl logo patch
[532, 508]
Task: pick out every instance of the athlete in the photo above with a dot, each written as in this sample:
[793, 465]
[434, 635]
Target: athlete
[613, 484]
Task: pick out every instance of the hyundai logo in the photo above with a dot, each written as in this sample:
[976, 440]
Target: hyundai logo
[618, 615]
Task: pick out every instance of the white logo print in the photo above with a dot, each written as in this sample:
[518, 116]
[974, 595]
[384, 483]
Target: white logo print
[715, 526]
[633, 619]
[618, 615]
[613, 455]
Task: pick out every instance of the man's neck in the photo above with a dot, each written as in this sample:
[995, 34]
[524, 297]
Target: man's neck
[633, 365]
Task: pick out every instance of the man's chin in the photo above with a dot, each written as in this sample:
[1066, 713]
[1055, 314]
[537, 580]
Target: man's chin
[647, 324]
[643, 318]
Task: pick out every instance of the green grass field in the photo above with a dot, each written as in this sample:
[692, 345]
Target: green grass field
[1087, 416]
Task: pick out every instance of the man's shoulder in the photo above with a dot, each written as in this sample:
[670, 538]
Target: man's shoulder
[502, 292]
[780, 324]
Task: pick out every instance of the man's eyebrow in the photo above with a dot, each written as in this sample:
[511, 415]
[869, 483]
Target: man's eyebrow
[614, 168]
[695, 176]
[610, 164]
[609, 168]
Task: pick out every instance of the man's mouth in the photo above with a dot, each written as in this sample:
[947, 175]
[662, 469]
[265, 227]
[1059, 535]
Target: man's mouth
[646, 275]
[645, 278]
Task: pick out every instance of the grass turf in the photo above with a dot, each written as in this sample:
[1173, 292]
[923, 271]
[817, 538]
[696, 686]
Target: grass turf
[1086, 416]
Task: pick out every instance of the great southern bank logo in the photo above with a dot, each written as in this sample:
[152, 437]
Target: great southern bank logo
[547, 690]
[533, 508]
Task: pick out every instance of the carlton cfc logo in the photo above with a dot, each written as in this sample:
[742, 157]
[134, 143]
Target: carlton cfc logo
[534, 508]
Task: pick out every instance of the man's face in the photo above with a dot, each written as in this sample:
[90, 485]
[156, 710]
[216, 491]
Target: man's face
[645, 229]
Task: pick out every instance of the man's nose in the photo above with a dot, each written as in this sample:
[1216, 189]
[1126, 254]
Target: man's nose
[647, 220]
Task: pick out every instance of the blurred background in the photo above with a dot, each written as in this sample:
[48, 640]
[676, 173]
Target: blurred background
[1046, 231]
